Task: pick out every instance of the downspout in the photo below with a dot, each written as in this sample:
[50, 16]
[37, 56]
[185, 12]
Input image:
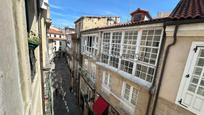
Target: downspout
[41, 57]
[80, 64]
[163, 67]
[159, 58]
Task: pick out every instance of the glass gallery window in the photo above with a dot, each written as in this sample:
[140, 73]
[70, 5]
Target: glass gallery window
[131, 52]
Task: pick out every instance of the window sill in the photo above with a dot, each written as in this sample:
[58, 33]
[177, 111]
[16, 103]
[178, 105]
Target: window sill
[123, 103]
[128, 76]
[127, 106]
[126, 102]
[106, 88]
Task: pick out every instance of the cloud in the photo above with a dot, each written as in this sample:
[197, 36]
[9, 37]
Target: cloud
[63, 14]
[56, 7]
[59, 22]
[107, 12]
[57, 13]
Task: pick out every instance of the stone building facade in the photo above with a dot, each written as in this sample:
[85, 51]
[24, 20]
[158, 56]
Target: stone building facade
[88, 22]
[21, 68]
[84, 23]
[145, 67]
[57, 41]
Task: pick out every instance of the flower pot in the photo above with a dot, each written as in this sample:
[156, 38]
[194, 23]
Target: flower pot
[32, 45]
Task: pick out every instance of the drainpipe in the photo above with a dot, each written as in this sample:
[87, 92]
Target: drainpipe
[163, 67]
[154, 81]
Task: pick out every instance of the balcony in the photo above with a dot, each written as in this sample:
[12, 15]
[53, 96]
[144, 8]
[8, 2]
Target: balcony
[48, 94]
[89, 51]
[87, 77]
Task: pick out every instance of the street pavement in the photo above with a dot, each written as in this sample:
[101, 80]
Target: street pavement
[65, 103]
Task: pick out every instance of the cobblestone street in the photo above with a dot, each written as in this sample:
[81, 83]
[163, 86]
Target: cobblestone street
[65, 103]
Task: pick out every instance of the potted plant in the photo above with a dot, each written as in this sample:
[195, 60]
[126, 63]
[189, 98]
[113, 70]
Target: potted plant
[33, 40]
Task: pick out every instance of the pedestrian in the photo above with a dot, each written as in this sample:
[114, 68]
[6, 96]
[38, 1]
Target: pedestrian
[61, 93]
[70, 89]
[56, 92]
[64, 54]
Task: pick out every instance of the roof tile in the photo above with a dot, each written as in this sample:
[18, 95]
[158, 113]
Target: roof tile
[185, 9]
[54, 31]
[188, 9]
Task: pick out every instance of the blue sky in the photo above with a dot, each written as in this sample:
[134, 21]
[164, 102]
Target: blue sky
[65, 12]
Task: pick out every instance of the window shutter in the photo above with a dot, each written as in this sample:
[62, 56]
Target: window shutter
[192, 91]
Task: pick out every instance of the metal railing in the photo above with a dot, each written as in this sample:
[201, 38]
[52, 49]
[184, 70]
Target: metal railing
[48, 95]
[87, 76]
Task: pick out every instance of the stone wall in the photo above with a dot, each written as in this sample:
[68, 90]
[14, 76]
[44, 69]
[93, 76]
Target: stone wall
[18, 95]
[165, 107]
[114, 96]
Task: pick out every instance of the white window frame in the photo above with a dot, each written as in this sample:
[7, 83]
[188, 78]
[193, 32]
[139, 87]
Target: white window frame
[93, 72]
[137, 50]
[130, 94]
[186, 81]
[86, 64]
[93, 50]
[150, 47]
[132, 45]
[129, 44]
[106, 43]
[109, 46]
[113, 52]
[108, 85]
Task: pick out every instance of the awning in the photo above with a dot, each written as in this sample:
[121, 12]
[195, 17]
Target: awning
[100, 106]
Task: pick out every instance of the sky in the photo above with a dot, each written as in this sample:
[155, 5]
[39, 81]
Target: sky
[65, 12]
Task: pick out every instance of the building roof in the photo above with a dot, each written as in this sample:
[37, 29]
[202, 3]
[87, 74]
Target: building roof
[54, 31]
[188, 9]
[82, 17]
[158, 20]
[185, 10]
[69, 28]
[141, 11]
[55, 38]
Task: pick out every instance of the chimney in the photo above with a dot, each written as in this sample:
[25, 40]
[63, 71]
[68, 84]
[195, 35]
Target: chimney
[140, 15]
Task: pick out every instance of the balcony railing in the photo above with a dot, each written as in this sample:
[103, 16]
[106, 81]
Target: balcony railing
[87, 77]
[48, 95]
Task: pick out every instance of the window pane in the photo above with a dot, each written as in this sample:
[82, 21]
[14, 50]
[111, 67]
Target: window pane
[200, 62]
[114, 61]
[144, 72]
[134, 96]
[150, 42]
[106, 43]
[116, 40]
[202, 53]
[195, 80]
[126, 66]
[158, 32]
[105, 58]
[200, 91]
[127, 91]
[192, 87]
[197, 70]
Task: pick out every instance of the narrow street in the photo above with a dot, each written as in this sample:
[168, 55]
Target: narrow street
[65, 103]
